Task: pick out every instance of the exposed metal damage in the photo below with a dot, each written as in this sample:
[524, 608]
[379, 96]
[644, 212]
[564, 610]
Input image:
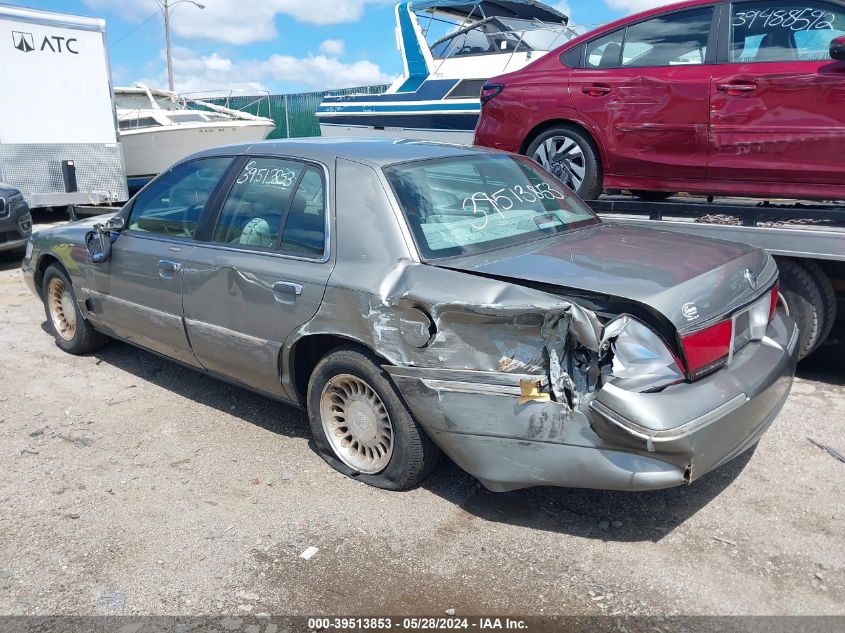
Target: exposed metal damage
[521, 387]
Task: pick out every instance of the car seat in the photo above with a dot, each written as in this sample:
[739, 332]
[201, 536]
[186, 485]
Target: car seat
[610, 56]
[776, 46]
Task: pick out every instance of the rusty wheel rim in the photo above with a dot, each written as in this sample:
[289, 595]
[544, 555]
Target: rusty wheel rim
[62, 310]
[357, 424]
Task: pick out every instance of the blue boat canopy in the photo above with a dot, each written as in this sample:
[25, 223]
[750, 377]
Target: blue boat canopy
[525, 9]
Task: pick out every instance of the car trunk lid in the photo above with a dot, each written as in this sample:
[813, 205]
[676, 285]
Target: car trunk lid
[688, 280]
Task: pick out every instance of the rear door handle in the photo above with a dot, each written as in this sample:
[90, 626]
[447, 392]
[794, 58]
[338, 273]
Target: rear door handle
[596, 90]
[167, 268]
[286, 291]
[736, 90]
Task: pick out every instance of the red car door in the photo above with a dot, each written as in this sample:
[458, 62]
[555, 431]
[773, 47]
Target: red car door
[644, 91]
[778, 104]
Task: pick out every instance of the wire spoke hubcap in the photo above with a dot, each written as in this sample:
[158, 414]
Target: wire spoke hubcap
[563, 157]
[62, 311]
[356, 423]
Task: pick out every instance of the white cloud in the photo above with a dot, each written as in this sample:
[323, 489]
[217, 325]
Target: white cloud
[632, 6]
[239, 22]
[194, 73]
[335, 48]
[563, 7]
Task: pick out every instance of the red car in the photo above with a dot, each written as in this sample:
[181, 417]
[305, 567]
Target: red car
[734, 97]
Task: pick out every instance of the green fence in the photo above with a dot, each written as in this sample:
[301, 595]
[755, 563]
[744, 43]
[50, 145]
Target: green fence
[293, 113]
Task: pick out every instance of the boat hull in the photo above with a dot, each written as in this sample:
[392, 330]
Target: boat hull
[460, 137]
[149, 151]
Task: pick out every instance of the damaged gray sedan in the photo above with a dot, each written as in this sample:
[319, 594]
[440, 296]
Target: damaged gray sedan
[416, 297]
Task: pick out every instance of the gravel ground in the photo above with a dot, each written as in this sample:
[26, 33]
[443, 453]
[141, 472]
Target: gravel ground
[130, 485]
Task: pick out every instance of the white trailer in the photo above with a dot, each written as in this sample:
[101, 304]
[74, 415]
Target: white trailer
[58, 129]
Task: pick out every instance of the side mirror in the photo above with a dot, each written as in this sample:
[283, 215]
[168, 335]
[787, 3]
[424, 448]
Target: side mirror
[98, 243]
[837, 47]
[116, 224]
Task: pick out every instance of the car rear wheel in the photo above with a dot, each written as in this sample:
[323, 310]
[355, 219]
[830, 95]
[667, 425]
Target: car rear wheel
[652, 196]
[72, 332]
[569, 154]
[805, 302]
[360, 424]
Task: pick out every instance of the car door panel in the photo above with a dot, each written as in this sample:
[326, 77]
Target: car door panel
[646, 87]
[137, 294]
[776, 104]
[242, 295]
[654, 120]
[236, 314]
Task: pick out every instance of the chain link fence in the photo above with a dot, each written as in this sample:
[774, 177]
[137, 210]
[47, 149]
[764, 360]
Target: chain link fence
[293, 113]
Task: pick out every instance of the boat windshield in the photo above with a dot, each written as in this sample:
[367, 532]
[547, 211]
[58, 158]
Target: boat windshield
[492, 35]
[476, 204]
[132, 101]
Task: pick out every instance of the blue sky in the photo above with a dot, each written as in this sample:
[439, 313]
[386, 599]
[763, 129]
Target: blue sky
[276, 45]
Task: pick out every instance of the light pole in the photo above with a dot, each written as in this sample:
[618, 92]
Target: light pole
[167, 8]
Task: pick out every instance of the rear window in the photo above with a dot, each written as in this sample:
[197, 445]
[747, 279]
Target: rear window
[475, 204]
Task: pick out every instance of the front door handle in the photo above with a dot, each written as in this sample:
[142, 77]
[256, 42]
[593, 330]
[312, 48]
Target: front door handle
[736, 90]
[167, 268]
[286, 291]
[596, 90]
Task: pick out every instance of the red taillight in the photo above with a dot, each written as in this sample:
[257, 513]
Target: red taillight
[773, 302]
[488, 91]
[707, 349]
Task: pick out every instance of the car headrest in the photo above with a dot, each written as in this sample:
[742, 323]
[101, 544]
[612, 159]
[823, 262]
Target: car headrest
[182, 195]
[610, 56]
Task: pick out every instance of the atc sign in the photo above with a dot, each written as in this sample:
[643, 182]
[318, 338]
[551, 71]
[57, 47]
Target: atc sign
[25, 42]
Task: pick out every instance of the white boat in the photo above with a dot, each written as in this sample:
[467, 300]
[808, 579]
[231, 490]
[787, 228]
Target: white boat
[158, 128]
[449, 49]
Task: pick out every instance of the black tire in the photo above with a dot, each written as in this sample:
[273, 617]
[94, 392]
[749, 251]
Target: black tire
[591, 186]
[828, 295]
[413, 456]
[804, 301]
[652, 196]
[84, 338]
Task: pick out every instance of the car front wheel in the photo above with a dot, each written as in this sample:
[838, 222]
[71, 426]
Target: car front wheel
[67, 325]
[361, 426]
[570, 155]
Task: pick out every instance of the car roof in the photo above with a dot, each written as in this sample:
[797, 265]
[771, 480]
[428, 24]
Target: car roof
[376, 151]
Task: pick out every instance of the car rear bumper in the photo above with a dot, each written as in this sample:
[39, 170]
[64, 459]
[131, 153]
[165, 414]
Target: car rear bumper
[624, 441]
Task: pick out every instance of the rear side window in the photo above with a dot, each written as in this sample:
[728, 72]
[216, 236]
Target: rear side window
[572, 57]
[172, 203]
[673, 39]
[777, 31]
[275, 204]
[605, 52]
[304, 233]
[255, 208]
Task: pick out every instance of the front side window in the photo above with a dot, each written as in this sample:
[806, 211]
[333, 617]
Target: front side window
[275, 204]
[673, 39]
[778, 31]
[474, 204]
[172, 203]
